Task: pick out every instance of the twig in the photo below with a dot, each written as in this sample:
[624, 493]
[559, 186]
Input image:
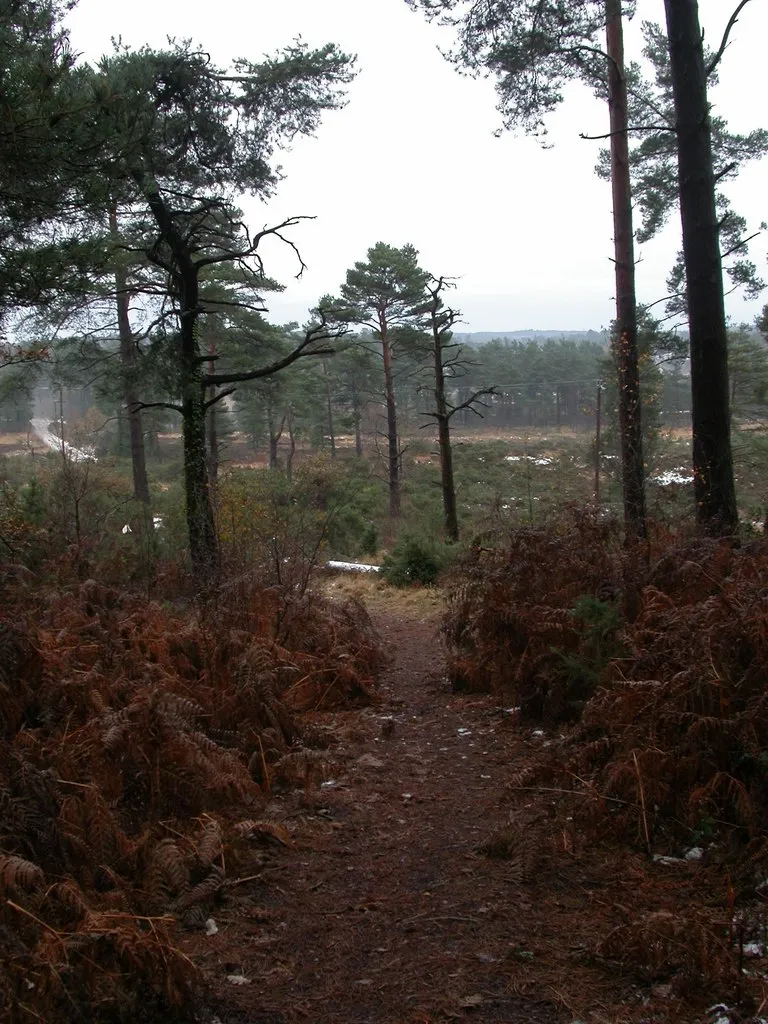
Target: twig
[37, 920]
[264, 769]
[231, 883]
[642, 803]
[566, 792]
[439, 917]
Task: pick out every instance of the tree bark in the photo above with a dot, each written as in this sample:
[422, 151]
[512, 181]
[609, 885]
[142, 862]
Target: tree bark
[393, 455]
[213, 433]
[447, 485]
[203, 546]
[128, 363]
[291, 449]
[442, 319]
[123, 448]
[357, 415]
[201, 528]
[714, 488]
[329, 411]
[625, 340]
[274, 435]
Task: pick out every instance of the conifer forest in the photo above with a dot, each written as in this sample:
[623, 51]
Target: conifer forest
[372, 667]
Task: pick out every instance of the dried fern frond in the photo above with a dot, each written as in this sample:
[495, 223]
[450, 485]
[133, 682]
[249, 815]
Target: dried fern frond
[263, 830]
[17, 873]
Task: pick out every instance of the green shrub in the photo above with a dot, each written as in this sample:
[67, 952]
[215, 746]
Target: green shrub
[369, 541]
[413, 560]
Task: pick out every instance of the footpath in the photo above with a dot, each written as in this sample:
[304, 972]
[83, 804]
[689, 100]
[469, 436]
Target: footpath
[408, 895]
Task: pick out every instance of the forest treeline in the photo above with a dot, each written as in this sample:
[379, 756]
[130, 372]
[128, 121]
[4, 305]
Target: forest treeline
[336, 401]
[127, 266]
[126, 263]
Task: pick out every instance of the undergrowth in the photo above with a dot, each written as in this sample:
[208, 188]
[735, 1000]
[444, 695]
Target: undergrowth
[662, 676]
[138, 744]
[521, 623]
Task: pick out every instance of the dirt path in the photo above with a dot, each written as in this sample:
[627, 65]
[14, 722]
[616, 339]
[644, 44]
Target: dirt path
[384, 912]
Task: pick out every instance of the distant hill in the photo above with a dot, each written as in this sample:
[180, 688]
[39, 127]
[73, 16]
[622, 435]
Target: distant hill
[481, 337]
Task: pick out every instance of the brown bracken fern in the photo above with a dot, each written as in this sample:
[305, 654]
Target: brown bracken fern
[133, 739]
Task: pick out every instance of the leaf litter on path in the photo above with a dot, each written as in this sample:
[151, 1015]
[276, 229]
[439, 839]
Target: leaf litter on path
[386, 910]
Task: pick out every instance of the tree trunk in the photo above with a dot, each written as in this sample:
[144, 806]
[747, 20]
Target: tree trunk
[393, 455]
[625, 340]
[357, 415]
[128, 363]
[714, 487]
[154, 442]
[329, 411]
[291, 449]
[203, 545]
[123, 447]
[447, 485]
[213, 433]
[274, 435]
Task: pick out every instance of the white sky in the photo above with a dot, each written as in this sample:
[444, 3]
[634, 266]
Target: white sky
[412, 158]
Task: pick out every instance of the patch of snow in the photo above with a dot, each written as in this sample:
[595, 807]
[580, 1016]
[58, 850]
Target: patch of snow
[157, 522]
[695, 853]
[672, 476]
[531, 458]
[754, 949]
[211, 928]
[352, 566]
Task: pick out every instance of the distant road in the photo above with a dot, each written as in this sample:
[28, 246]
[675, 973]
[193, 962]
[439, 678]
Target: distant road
[42, 428]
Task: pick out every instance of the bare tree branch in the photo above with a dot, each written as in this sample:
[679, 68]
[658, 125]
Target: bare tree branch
[731, 22]
[631, 128]
[739, 245]
[138, 406]
[318, 333]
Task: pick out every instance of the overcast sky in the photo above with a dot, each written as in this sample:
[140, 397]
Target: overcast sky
[413, 158]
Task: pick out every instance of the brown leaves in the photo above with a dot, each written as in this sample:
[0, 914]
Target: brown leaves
[263, 830]
[17, 873]
[513, 606]
[123, 726]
